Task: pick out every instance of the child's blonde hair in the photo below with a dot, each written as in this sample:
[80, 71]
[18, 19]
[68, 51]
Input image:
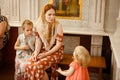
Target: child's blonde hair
[28, 23]
[82, 55]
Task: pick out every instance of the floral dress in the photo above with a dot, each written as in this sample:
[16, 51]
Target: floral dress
[22, 56]
[36, 70]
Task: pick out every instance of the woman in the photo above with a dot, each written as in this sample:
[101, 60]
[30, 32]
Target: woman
[51, 35]
[3, 34]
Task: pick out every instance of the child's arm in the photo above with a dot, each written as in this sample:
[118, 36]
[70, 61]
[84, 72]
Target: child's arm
[17, 47]
[66, 72]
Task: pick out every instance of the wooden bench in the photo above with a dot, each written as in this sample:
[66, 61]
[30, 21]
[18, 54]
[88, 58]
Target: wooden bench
[96, 62]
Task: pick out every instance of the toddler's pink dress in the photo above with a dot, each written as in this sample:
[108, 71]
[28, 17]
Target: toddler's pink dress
[80, 73]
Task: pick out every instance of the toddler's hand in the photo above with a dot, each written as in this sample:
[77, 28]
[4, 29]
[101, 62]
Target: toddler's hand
[59, 69]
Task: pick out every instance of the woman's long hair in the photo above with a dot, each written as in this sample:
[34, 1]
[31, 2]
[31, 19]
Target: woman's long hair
[43, 27]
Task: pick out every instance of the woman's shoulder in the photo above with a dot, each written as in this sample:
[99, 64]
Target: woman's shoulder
[58, 25]
[59, 28]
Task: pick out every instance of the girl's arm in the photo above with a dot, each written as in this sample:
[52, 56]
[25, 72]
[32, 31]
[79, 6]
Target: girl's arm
[57, 46]
[18, 47]
[66, 72]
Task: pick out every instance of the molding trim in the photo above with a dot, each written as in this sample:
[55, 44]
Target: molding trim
[92, 13]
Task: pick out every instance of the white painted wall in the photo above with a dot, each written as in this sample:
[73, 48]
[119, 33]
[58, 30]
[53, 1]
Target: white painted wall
[111, 15]
[100, 10]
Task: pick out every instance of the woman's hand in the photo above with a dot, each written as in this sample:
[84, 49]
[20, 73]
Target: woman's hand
[34, 56]
[41, 55]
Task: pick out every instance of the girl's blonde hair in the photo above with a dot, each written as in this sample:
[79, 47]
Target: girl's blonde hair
[82, 55]
[27, 23]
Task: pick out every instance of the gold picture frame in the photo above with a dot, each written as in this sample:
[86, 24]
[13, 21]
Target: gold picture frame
[68, 9]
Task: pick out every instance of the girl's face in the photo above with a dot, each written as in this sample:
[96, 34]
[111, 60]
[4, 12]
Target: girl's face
[28, 30]
[50, 15]
[74, 56]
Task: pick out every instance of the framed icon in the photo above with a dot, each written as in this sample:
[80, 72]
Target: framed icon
[68, 9]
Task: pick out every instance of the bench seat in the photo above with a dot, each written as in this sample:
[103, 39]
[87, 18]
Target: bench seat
[95, 62]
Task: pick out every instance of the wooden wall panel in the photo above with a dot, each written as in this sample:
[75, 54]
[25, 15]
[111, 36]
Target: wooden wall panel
[85, 40]
[107, 52]
[9, 52]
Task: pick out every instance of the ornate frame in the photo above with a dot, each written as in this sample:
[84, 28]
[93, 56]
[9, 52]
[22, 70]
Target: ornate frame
[68, 9]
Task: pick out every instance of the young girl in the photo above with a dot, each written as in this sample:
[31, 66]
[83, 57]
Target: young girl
[78, 67]
[24, 46]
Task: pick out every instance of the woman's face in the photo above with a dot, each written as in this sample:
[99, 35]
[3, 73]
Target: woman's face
[50, 15]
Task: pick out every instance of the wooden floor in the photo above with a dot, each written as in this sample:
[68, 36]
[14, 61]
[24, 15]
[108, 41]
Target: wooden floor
[7, 73]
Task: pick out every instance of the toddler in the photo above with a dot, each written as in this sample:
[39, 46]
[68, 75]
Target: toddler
[78, 67]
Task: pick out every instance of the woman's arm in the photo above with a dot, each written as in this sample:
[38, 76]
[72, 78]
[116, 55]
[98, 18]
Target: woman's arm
[38, 42]
[3, 26]
[58, 44]
[38, 45]
[66, 72]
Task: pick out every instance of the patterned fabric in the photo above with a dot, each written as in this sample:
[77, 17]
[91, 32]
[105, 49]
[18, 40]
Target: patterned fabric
[3, 18]
[35, 70]
[29, 40]
[4, 39]
[22, 56]
[80, 73]
[40, 29]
